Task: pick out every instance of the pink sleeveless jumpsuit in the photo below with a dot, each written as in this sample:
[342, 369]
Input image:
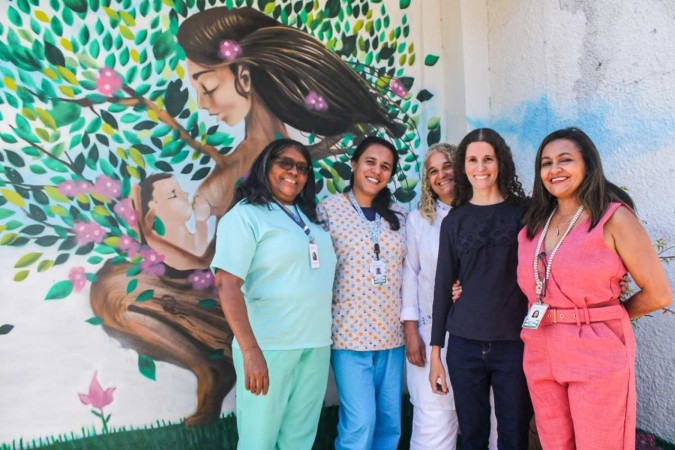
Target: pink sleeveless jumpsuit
[580, 362]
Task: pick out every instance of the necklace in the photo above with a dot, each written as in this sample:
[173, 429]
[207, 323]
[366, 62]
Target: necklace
[557, 228]
[538, 282]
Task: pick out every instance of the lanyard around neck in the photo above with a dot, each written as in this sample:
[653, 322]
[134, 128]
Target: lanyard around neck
[296, 218]
[374, 227]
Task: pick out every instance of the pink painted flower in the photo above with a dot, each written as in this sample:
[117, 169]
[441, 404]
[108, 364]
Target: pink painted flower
[72, 188]
[397, 87]
[78, 277]
[68, 188]
[152, 262]
[126, 211]
[86, 232]
[97, 396]
[108, 82]
[229, 50]
[201, 279]
[130, 245]
[315, 102]
[107, 187]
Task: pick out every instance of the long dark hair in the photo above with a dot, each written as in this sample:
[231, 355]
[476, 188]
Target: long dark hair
[256, 189]
[286, 64]
[507, 179]
[383, 201]
[595, 192]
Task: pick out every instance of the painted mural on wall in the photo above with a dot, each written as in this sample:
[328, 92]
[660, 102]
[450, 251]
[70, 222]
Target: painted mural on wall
[113, 170]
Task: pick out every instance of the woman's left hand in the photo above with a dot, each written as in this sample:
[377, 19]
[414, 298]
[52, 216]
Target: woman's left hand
[414, 345]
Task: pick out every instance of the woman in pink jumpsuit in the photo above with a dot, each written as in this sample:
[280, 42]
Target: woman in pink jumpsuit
[581, 237]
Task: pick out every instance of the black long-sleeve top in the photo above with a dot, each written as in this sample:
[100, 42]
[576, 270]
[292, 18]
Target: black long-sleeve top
[479, 247]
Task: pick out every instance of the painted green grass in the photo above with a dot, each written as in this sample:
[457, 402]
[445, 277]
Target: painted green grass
[221, 435]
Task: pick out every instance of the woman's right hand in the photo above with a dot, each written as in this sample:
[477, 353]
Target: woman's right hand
[456, 291]
[255, 372]
[437, 380]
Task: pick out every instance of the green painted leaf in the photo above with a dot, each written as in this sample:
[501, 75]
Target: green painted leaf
[146, 365]
[45, 264]
[79, 6]
[60, 290]
[131, 286]
[95, 320]
[65, 113]
[6, 328]
[27, 260]
[424, 95]
[430, 60]
[21, 275]
[208, 303]
[4, 213]
[433, 123]
[145, 295]
[164, 45]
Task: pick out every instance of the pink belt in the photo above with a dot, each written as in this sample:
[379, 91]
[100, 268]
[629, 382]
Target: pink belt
[585, 315]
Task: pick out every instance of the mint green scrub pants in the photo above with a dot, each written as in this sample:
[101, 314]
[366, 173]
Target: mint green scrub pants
[287, 417]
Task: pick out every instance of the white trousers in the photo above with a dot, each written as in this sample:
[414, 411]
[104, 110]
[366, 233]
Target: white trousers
[438, 429]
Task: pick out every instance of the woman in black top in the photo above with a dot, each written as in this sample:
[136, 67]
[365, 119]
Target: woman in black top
[479, 247]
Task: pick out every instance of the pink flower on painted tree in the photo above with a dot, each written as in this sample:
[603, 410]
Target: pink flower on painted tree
[108, 82]
[125, 210]
[107, 187]
[86, 232]
[98, 398]
[152, 262]
[72, 188]
[131, 246]
[78, 278]
[397, 87]
[201, 279]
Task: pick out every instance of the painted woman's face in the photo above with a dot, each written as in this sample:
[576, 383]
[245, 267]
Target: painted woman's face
[287, 175]
[169, 202]
[216, 91]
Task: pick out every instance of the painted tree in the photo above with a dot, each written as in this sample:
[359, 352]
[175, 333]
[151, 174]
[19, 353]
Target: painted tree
[94, 101]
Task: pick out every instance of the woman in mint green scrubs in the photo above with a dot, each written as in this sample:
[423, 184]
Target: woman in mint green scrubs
[274, 266]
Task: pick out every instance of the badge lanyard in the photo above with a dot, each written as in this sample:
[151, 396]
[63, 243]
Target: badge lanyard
[313, 248]
[536, 313]
[377, 267]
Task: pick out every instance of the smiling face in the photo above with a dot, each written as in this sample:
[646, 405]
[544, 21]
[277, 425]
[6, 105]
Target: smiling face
[372, 172]
[287, 183]
[169, 202]
[562, 168]
[216, 92]
[481, 166]
[441, 176]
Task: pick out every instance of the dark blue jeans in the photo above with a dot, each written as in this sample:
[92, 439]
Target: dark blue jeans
[475, 366]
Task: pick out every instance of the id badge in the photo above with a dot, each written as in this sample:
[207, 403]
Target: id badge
[314, 256]
[535, 315]
[379, 272]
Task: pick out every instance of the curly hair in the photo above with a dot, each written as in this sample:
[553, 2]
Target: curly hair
[256, 189]
[595, 192]
[507, 180]
[428, 197]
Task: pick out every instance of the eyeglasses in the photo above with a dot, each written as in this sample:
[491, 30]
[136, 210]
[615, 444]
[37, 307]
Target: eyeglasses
[541, 268]
[288, 164]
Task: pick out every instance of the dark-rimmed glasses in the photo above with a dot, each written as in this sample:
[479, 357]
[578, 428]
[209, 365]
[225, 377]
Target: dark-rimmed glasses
[288, 164]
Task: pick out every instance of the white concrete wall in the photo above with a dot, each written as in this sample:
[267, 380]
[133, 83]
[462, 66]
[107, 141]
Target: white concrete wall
[607, 66]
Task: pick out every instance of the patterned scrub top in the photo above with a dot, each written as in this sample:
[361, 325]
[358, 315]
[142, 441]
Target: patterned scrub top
[366, 317]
